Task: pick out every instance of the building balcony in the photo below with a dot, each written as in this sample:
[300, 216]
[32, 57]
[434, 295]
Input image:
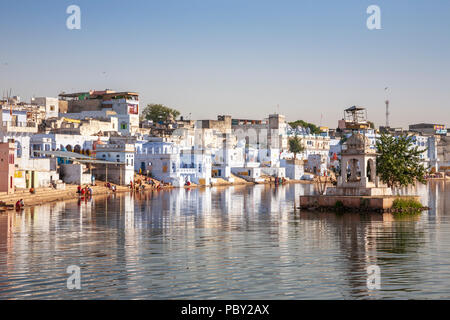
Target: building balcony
[187, 165]
[187, 171]
[25, 127]
[115, 148]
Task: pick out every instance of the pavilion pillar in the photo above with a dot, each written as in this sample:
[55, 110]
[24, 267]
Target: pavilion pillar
[344, 169]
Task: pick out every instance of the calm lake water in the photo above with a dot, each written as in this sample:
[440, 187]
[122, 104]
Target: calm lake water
[242, 242]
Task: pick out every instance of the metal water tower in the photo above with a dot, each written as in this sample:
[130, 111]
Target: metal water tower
[356, 118]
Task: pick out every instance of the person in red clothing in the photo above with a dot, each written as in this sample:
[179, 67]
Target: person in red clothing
[19, 204]
[79, 189]
[83, 191]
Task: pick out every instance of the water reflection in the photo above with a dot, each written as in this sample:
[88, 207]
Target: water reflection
[242, 242]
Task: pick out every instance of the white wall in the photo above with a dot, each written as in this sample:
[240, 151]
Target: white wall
[73, 174]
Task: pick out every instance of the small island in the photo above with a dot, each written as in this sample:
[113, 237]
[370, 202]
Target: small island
[359, 187]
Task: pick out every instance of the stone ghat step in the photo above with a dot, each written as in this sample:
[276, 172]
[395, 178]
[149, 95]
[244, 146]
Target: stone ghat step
[41, 195]
[36, 195]
[26, 191]
[52, 191]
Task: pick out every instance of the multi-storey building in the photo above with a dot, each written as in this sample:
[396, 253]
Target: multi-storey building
[7, 168]
[51, 106]
[168, 162]
[120, 153]
[105, 104]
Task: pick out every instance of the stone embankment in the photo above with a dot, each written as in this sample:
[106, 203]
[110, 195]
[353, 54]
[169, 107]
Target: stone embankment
[45, 195]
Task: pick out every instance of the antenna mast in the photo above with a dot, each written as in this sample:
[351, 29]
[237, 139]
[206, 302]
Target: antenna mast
[387, 113]
[387, 106]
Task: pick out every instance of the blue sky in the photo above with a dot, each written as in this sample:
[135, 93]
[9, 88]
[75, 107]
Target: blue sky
[241, 58]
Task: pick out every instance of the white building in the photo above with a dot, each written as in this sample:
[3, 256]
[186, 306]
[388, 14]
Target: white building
[428, 146]
[169, 163]
[121, 153]
[126, 105]
[31, 170]
[51, 106]
[105, 104]
[294, 168]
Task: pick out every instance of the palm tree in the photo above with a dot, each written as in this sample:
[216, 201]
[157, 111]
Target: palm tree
[295, 146]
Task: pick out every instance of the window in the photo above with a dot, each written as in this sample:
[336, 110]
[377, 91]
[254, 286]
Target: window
[18, 149]
[133, 109]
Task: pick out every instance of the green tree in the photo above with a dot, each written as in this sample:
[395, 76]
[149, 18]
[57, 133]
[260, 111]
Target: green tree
[300, 123]
[158, 112]
[295, 146]
[398, 161]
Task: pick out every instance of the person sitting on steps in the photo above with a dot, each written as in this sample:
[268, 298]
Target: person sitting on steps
[19, 204]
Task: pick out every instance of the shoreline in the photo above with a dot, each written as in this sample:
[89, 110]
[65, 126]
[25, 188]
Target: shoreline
[49, 195]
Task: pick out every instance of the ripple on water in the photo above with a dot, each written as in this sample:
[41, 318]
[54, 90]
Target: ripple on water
[223, 243]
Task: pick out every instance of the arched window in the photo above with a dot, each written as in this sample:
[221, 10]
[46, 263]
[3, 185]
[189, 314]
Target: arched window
[77, 148]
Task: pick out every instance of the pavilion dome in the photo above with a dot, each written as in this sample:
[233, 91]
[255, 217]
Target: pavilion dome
[357, 142]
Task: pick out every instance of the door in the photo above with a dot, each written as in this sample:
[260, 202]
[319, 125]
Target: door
[33, 177]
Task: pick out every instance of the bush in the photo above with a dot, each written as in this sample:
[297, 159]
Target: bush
[411, 206]
[339, 206]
